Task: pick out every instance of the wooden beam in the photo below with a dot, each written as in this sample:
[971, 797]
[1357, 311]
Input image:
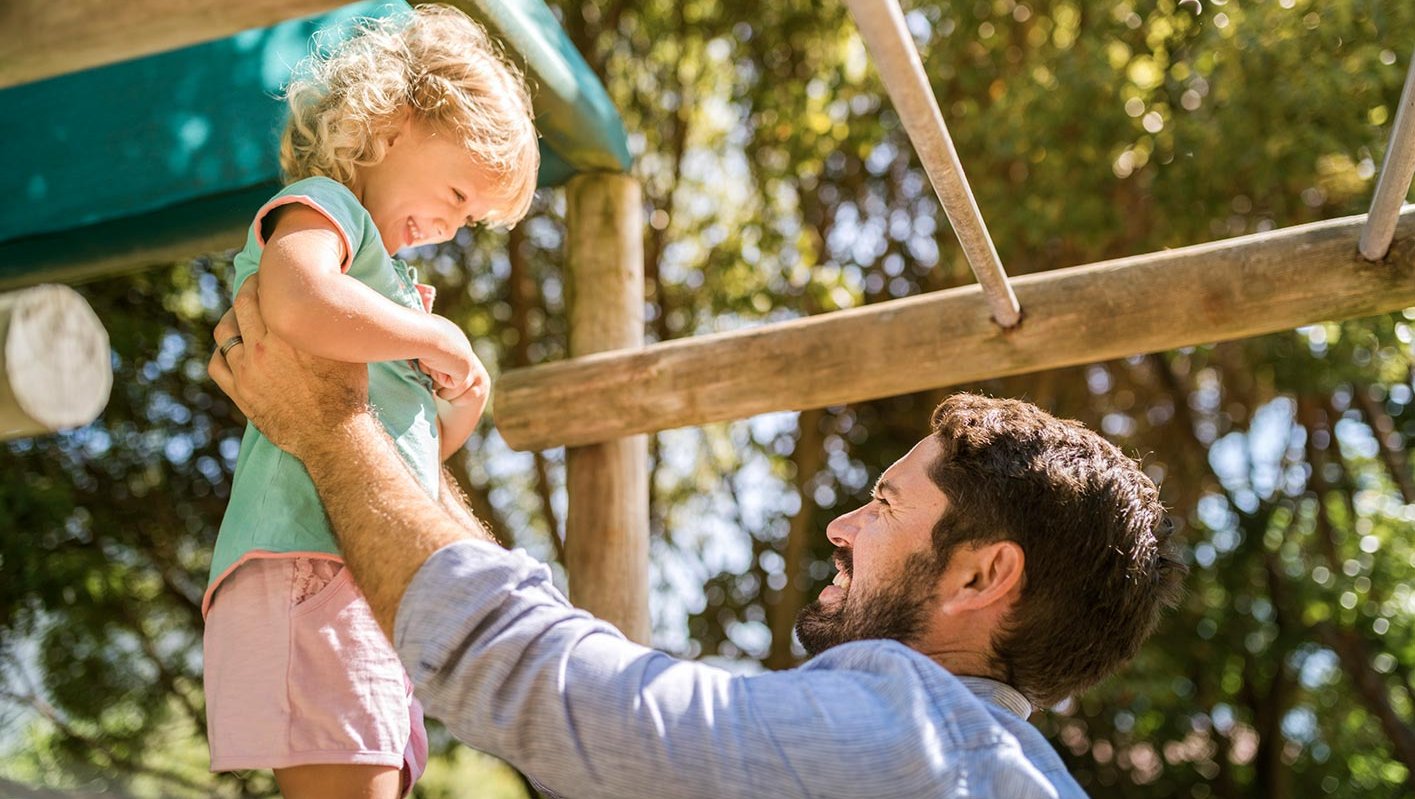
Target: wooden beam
[1396, 174]
[1228, 289]
[55, 368]
[881, 25]
[607, 521]
[42, 38]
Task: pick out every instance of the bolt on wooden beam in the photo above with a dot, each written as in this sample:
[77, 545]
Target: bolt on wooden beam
[881, 25]
[1396, 174]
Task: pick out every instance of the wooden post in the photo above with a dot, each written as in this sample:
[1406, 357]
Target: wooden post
[1396, 173]
[881, 25]
[55, 369]
[607, 523]
[1240, 287]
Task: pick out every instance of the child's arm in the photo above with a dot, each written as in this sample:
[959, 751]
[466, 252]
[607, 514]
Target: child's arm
[455, 425]
[309, 301]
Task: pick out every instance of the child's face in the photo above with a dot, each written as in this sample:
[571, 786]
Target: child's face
[426, 187]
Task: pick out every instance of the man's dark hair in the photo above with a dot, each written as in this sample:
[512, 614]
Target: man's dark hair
[1100, 567]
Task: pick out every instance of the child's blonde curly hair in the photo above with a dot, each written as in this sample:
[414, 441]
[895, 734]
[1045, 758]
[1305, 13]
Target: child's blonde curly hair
[435, 62]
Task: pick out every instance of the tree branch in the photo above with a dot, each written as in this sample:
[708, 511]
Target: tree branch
[782, 608]
[1392, 455]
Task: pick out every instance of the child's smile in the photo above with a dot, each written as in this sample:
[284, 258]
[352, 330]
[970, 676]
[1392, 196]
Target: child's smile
[425, 188]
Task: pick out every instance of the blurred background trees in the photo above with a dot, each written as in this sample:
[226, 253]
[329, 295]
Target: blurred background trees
[778, 183]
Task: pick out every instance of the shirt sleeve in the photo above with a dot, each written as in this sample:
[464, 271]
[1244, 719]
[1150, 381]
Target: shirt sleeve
[332, 200]
[499, 655]
[512, 669]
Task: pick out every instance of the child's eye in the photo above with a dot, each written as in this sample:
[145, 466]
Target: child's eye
[461, 198]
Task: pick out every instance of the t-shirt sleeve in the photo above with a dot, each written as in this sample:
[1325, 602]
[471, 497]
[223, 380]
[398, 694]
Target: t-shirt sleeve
[331, 199]
[500, 656]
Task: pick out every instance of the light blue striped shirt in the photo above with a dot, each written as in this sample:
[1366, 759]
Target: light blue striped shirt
[500, 656]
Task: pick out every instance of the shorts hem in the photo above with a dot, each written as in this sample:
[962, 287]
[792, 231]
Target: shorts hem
[243, 763]
[208, 597]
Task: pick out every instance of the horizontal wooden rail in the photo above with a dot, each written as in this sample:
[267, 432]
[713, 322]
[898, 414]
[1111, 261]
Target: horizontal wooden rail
[44, 38]
[1227, 289]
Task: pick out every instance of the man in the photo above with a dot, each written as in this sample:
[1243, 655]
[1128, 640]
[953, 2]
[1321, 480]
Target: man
[1009, 560]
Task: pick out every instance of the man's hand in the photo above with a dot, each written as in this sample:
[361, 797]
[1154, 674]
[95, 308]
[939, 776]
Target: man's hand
[290, 396]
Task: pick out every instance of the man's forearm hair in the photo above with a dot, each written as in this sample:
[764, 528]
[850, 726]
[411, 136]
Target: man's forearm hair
[386, 524]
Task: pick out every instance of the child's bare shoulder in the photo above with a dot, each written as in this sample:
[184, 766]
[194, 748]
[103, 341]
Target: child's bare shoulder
[314, 203]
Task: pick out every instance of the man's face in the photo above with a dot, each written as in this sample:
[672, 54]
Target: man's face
[884, 553]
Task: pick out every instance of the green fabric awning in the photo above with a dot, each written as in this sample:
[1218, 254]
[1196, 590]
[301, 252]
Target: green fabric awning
[166, 156]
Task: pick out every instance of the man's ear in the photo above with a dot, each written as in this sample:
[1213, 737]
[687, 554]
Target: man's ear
[980, 576]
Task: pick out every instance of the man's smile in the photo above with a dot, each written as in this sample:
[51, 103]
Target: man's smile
[841, 584]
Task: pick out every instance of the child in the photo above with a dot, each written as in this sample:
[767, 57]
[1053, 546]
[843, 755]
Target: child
[398, 137]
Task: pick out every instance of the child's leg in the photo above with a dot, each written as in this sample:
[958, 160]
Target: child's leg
[301, 680]
[353, 782]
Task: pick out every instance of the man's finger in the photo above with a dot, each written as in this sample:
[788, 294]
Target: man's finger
[226, 328]
[220, 372]
[247, 308]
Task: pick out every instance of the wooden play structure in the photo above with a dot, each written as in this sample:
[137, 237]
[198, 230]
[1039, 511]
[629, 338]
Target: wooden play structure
[612, 390]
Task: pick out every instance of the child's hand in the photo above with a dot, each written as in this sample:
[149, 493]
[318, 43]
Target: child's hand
[453, 366]
[475, 390]
[457, 416]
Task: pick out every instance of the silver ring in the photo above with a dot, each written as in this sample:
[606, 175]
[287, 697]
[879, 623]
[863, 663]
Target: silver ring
[228, 344]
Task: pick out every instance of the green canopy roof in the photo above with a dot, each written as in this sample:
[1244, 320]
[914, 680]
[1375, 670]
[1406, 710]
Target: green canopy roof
[166, 156]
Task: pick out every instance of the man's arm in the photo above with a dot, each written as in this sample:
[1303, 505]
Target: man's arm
[455, 503]
[500, 656]
[386, 524]
[317, 410]
[498, 653]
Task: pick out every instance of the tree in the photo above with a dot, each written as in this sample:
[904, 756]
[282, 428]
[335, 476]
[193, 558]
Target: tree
[778, 183]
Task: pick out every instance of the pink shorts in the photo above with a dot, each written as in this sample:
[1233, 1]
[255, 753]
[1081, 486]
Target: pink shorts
[298, 673]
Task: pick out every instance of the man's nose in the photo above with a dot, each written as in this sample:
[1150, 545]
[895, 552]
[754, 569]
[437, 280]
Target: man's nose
[841, 532]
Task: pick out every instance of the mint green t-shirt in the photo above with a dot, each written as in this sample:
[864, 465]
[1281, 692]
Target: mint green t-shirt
[274, 508]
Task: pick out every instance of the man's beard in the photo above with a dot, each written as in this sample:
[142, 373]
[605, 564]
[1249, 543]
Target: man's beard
[897, 610]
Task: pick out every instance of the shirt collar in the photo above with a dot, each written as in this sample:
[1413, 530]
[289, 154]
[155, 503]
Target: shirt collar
[999, 693]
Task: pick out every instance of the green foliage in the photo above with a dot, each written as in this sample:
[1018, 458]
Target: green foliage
[779, 183]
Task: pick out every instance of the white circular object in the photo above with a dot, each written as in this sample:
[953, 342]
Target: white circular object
[57, 361]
